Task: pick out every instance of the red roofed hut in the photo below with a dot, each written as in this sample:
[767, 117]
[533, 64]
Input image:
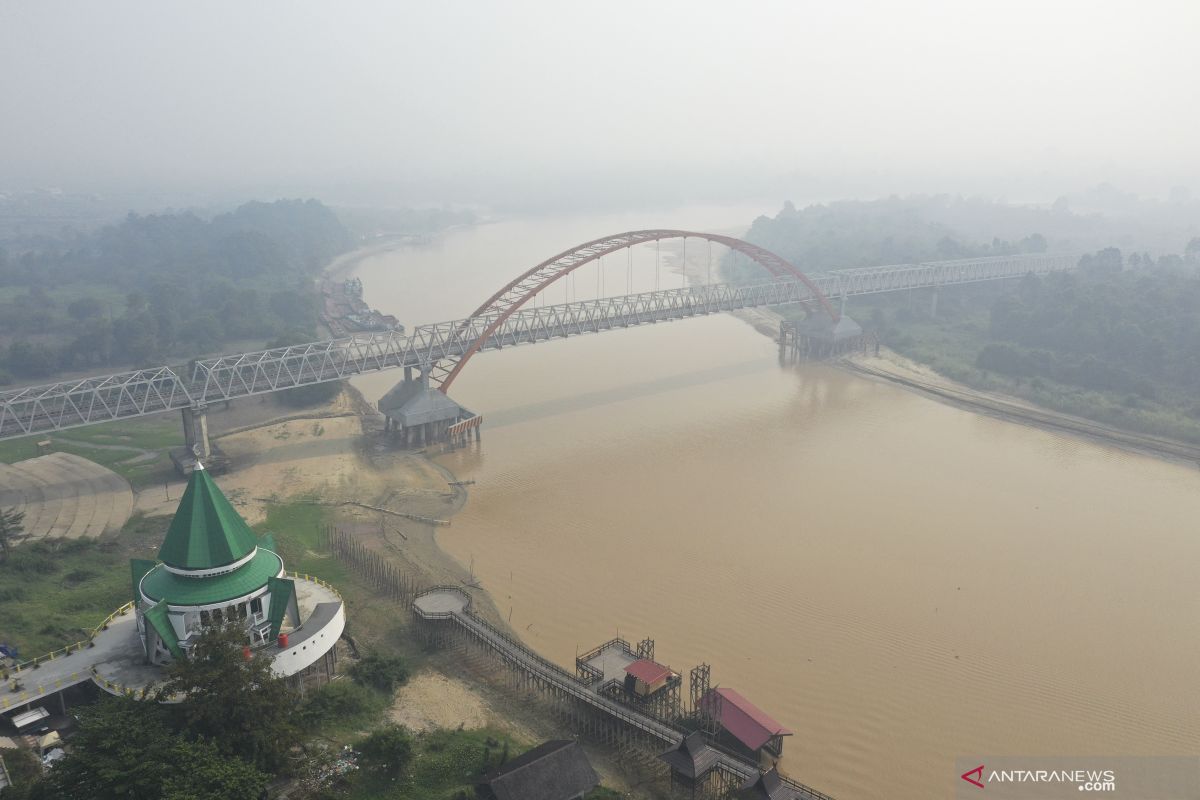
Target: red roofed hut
[743, 723]
[645, 677]
[654, 687]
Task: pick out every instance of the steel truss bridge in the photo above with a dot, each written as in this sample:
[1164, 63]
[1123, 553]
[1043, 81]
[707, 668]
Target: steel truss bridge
[441, 350]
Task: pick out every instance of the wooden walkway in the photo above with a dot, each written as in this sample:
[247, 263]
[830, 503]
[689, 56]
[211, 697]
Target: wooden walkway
[449, 604]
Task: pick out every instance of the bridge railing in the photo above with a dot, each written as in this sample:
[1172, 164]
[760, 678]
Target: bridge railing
[74, 647]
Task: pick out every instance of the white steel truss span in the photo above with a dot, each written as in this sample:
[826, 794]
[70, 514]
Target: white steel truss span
[87, 401]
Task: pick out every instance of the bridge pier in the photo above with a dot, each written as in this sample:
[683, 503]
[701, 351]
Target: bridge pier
[195, 431]
[418, 415]
[933, 303]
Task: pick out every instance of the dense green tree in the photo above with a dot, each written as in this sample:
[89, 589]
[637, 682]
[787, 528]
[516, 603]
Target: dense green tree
[386, 750]
[125, 749]
[31, 358]
[200, 771]
[233, 701]
[12, 528]
[381, 672]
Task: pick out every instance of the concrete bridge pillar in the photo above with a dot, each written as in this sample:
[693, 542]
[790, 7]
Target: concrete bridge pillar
[933, 301]
[195, 431]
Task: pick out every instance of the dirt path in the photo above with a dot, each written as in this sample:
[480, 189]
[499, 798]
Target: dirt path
[140, 455]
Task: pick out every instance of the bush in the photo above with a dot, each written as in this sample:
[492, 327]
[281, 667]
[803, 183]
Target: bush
[386, 750]
[336, 701]
[80, 575]
[32, 561]
[380, 672]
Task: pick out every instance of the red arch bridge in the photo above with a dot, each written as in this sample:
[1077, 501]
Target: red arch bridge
[439, 351]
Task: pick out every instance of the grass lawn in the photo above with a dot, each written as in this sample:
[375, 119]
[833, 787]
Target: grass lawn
[158, 434]
[53, 593]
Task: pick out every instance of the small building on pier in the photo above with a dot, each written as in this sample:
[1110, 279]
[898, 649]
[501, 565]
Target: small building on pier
[420, 415]
[692, 762]
[556, 770]
[769, 786]
[644, 677]
[742, 725]
[616, 670]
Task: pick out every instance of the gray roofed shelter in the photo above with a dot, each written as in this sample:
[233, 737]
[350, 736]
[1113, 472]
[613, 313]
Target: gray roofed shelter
[410, 403]
[554, 770]
[692, 759]
[767, 786]
[421, 415]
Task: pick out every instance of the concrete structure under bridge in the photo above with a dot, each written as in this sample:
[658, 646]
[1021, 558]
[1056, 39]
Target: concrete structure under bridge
[416, 414]
[441, 350]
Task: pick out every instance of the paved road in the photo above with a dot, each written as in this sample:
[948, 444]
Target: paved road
[118, 644]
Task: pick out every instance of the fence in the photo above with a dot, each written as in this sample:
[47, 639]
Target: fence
[386, 577]
[74, 647]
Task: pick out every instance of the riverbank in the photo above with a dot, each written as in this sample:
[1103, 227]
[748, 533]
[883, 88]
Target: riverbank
[892, 367]
[344, 265]
[896, 369]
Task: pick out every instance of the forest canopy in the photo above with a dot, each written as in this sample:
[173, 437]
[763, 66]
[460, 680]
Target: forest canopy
[164, 286]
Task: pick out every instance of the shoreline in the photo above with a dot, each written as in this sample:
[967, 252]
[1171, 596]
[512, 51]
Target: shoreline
[890, 367]
[342, 266]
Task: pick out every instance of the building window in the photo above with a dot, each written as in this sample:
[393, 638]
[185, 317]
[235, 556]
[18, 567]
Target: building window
[241, 610]
[256, 605]
[205, 619]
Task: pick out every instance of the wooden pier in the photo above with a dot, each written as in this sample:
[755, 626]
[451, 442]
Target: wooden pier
[444, 617]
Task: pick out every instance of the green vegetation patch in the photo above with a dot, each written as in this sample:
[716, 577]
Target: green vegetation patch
[442, 765]
[120, 446]
[339, 710]
[53, 593]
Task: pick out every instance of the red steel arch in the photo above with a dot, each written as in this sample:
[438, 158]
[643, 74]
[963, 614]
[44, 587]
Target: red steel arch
[521, 289]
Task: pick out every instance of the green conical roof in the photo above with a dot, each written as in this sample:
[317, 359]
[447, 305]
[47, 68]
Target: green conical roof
[206, 532]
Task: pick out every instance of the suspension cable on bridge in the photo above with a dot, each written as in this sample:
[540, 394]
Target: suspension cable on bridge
[657, 264]
[683, 266]
[629, 271]
[708, 268]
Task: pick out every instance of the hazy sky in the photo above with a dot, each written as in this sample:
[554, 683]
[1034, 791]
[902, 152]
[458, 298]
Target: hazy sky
[458, 98]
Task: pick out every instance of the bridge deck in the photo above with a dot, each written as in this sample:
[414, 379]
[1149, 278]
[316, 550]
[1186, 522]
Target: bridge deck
[58, 406]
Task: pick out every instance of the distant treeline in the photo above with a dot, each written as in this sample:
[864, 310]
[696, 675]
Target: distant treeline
[1116, 340]
[164, 286]
[369, 222]
[902, 230]
[1121, 325]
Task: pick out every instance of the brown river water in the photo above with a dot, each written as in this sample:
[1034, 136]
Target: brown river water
[900, 582]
